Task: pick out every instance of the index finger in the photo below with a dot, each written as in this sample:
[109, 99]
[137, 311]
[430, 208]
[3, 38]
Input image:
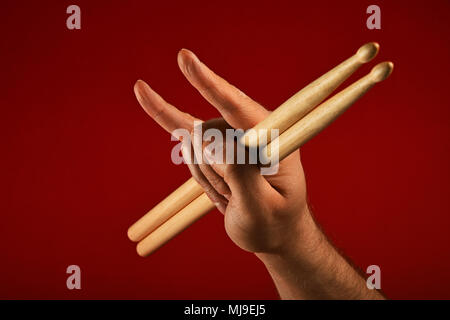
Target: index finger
[165, 114]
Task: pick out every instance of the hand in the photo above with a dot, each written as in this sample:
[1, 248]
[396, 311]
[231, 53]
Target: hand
[262, 213]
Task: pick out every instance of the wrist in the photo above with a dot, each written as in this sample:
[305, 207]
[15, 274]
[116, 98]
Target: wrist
[303, 256]
[308, 267]
[301, 243]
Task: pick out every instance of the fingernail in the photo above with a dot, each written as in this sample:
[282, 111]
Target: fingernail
[187, 60]
[189, 52]
[139, 90]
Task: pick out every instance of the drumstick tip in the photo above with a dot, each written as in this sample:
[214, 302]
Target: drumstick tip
[368, 51]
[141, 251]
[131, 234]
[381, 71]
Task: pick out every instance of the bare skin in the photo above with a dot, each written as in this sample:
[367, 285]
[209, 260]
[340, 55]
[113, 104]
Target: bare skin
[266, 215]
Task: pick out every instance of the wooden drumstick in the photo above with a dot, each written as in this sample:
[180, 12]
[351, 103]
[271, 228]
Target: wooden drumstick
[310, 96]
[176, 201]
[284, 116]
[288, 142]
[327, 112]
[176, 224]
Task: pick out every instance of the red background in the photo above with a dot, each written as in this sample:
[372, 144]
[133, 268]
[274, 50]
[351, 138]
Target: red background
[81, 161]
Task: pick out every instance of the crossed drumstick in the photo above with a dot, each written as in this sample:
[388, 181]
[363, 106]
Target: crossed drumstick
[298, 119]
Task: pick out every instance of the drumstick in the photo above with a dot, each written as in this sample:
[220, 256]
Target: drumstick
[176, 201]
[285, 115]
[288, 142]
[306, 99]
[176, 224]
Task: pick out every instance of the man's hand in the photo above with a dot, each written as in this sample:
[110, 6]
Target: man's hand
[267, 215]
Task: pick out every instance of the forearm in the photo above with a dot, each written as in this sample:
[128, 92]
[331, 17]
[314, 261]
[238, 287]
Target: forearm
[309, 267]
